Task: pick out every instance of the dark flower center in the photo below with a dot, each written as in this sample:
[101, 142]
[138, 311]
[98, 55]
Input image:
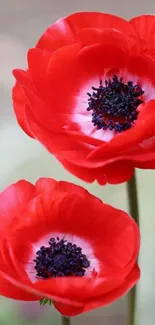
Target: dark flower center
[60, 258]
[114, 105]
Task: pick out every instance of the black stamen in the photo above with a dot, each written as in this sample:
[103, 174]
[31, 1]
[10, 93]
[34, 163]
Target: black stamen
[114, 106]
[61, 258]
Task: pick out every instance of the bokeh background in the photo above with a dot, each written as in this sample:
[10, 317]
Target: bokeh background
[21, 24]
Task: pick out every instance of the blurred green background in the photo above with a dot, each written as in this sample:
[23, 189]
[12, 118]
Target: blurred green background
[21, 23]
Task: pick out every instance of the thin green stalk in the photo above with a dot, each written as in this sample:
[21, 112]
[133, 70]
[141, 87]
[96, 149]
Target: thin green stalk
[133, 198]
[134, 212]
[65, 320]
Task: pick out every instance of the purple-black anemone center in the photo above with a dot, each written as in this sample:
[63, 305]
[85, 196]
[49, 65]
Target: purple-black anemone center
[60, 258]
[114, 105]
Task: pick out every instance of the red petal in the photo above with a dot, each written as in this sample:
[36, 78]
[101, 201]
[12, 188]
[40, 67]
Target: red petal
[34, 217]
[47, 186]
[129, 282]
[19, 105]
[99, 20]
[56, 142]
[38, 63]
[86, 174]
[41, 110]
[103, 56]
[58, 35]
[68, 310]
[100, 47]
[113, 225]
[34, 293]
[74, 160]
[13, 201]
[145, 28]
[92, 36]
[112, 173]
[107, 155]
[74, 69]
[23, 79]
[128, 140]
[64, 31]
[119, 172]
[77, 289]
[143, 66]
[100, 301]
[11, 291]
[38, 106]
[14, 269]
[62, 70]
[47, 105]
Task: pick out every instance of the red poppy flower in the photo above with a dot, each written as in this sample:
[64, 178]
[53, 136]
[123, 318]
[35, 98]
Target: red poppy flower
[89, 95]
[61, 243]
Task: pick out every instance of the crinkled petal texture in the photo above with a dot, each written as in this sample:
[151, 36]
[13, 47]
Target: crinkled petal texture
[32, 214]
[50, 98]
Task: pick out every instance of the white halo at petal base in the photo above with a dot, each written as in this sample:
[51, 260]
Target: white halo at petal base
[80, 242]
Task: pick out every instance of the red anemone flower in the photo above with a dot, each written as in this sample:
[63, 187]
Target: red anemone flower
[61, 243]
[88, 95]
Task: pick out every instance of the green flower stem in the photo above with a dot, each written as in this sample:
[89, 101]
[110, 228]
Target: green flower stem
[65, 320]
[133, 209]
[133, 198]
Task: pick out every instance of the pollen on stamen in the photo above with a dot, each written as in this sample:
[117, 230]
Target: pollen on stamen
[60, 258]
[114, 105]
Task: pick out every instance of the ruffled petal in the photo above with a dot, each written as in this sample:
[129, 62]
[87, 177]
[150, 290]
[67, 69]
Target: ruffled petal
[143, 66]
[103, 56]
[108, 232]
[38, 64]
[68, 310]
[144, 26]
[128, 140]
[86, 174]
[77, 289]
[11, 267]
[91, 36]
[104, 300]
[100, 301]
[58, 35]
[64, 31]
[56, 142]
[13, 201]
[63, 78]
[83, 20]
[47, 186]
[56, 73]
[112, 173]
[12, 291]
[119, 172]
[19, 105]
[23, 78]
[33, 292]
